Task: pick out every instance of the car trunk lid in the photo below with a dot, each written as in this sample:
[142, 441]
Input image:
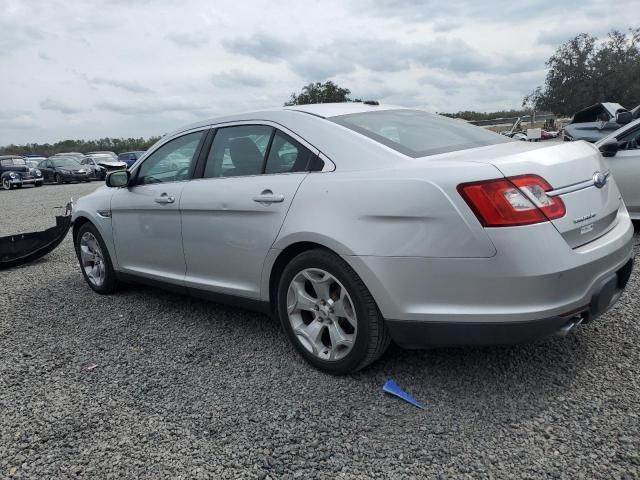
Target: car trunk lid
[571, 170]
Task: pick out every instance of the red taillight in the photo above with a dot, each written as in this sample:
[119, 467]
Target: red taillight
[513, 201]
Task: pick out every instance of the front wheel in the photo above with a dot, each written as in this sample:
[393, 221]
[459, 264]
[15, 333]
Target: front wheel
[94, 259]
[38, 184]
[58, 178]
[6, 183]
[329, 314]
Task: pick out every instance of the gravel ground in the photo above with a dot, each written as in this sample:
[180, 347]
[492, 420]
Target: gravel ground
[189, 389]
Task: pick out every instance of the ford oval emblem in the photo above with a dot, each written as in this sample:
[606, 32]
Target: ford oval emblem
[600, 178]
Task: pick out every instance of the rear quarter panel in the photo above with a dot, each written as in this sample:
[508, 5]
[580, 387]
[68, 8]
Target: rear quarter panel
[410, 211]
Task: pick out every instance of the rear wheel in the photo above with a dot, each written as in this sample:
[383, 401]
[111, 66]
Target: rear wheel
[94, 259]
[329, 314]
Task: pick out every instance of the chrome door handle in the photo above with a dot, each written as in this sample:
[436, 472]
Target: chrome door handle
[164, 199]
[269, 197]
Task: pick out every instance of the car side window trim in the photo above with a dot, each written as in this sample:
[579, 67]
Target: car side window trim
[199, 173]
[192, 167]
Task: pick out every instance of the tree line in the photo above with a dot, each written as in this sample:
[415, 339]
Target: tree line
[585, 71]
[117, 145]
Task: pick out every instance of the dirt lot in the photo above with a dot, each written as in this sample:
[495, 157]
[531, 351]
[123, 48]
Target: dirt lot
[188, 389]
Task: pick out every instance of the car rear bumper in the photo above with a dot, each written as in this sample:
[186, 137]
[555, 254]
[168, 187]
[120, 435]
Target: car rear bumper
[534, 282]
[421, 334]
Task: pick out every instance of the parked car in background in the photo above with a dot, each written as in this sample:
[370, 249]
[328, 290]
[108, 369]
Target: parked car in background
[111, 154]
[596, 122]
[100, 164]
[60, 170]
[621, 150]
[130, 157]
[33, 159]
[32, 163]
[14, 172]
[358, 224]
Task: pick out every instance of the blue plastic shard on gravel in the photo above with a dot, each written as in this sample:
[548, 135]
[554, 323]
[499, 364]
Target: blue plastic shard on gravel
[392, 387]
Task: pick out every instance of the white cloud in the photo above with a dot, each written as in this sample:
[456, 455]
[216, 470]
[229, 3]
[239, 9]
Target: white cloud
[95, 68]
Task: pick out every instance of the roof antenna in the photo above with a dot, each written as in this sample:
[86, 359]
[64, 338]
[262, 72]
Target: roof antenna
[371, 102]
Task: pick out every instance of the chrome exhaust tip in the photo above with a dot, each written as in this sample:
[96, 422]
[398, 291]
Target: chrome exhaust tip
[569, 326]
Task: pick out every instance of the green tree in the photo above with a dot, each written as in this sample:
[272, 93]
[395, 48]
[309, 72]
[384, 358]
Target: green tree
[117, 145]
[584, 71]
[327, 92]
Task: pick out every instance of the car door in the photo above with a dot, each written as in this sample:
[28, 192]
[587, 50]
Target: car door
[146, 216]
[232, 215]
[625, 167]
[46, 167]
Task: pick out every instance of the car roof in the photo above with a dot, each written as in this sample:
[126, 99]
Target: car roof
[5, 157]
[319, 110]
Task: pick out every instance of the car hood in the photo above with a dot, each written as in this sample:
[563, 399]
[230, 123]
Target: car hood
[590, 131]
[112, 163]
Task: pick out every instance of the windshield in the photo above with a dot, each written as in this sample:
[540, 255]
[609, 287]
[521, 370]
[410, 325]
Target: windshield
[65, 163]
[418, 134]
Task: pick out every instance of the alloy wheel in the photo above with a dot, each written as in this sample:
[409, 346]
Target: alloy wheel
[322, 314]
[92, 259]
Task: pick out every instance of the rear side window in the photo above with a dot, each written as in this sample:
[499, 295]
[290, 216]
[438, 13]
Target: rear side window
[238, 151]
[418, 134]
[286, 155]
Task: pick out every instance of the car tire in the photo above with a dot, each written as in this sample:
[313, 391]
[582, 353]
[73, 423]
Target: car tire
[6, 184]
[58, 178]
[38, 184]
[109, 282]
[369, 337]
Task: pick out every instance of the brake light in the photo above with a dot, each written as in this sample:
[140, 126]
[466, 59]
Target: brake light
[513, 201]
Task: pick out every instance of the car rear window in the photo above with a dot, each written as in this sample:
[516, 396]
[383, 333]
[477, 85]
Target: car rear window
[418, 134]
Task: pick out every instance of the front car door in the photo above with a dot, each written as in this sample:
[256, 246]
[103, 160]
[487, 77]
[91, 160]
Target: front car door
[146, 216]
[232, 215]
[625, 167]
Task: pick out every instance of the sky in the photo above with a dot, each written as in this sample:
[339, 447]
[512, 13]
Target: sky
[136, 68]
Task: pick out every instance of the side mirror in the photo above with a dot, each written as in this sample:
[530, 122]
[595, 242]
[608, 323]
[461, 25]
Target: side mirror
[622, 118]
[118, 179]
[609, 148]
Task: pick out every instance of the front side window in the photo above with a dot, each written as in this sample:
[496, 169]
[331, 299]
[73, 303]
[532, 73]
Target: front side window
[418, 134]
[287, 155]
[171, 162]
[238, 151]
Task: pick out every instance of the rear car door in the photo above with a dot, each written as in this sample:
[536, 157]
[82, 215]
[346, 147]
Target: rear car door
[146, 216]
[232, 215]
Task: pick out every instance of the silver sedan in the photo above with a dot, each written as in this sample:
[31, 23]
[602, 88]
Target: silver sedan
[359, 224]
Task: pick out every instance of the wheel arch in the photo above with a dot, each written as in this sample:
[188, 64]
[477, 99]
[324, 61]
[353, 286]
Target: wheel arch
[282, 259]
[77, 223]
[83, 218]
